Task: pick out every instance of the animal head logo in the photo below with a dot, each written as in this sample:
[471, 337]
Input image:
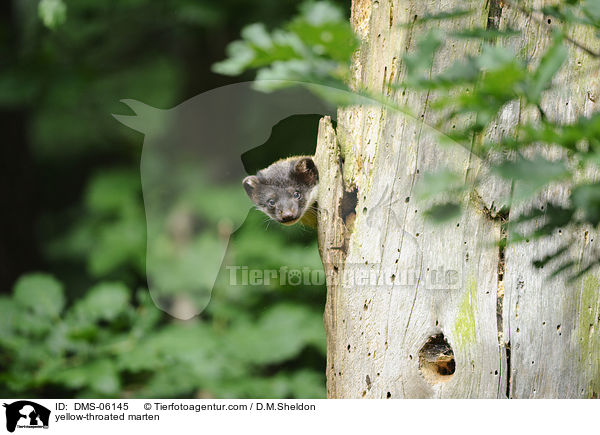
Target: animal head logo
[188, 151]
[191, 149]
[25, 413]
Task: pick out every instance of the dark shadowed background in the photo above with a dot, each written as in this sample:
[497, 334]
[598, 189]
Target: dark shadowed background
[76, 319]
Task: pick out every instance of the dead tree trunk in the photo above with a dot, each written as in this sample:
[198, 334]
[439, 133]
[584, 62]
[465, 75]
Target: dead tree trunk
[415, 310]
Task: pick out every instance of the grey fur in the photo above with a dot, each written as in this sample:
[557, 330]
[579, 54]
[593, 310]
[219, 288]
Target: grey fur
[285, 190]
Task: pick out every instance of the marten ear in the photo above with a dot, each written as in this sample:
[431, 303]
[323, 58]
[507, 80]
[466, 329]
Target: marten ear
[250, 183]
[306, 170]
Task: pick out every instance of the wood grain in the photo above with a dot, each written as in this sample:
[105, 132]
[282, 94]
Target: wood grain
[395, 281]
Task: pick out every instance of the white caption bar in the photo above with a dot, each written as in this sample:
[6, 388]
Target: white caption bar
[155, 416]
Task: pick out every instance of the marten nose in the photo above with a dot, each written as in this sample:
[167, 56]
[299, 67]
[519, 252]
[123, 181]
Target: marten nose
[287, 216]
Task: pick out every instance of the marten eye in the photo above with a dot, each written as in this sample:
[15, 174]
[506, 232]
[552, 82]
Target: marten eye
[297, 195]
[271, 202]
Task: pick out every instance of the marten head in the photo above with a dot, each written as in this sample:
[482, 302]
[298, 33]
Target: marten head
[284, 190]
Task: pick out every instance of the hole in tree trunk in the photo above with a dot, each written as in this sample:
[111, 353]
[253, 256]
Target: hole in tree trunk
[347, 207]
[436, 360]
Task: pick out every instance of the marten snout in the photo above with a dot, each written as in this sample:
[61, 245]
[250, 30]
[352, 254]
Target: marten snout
[284, 190]
[287, 210]
[287, 216]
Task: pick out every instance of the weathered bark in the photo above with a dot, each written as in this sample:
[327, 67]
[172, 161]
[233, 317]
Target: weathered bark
[497, 314]
[552, 326]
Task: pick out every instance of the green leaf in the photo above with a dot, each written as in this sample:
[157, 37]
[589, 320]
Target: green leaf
[104, 301]
[549, 65]
[52, 12]
[321, 12]
[587, 198]
[569, 14]
[420, 62]
[300, 384]
[485, 34]
[116, 244]
[531, 175]
[567, 265]
[441, 213]
[436, 183]
[439, 16]
[547, 218]
[103, 377]
[99, 376]
[308, 384]
[41, 293]
[257, 35]
[280, 334]
[591, 8]
[198, 352]
[323, 28]
[494, 57]
[550, 257]
[316, 46]
[460, 72]
[583, 270]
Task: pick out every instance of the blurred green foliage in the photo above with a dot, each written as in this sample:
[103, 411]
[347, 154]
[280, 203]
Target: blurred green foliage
[474, 92]
[87, 326]
[314, 47]
[468, 98]
[110, 343]
[52, 12]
